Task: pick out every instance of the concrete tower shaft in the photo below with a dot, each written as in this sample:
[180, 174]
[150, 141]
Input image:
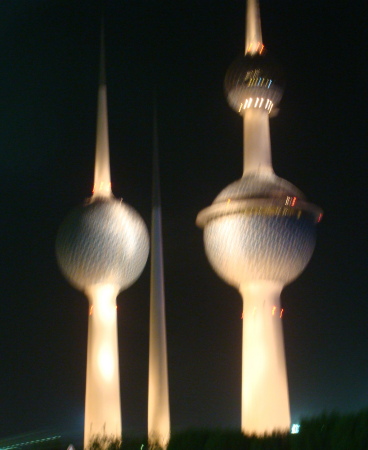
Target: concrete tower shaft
[158, 384]
[265, 396]
[102, 404]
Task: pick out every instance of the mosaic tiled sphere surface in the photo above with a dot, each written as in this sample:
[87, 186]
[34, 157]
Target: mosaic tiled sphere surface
[267, 241]
[251, 247]
[105, 241]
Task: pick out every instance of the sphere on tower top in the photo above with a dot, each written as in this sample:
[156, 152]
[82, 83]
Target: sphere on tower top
[103, 242]
[253, 81]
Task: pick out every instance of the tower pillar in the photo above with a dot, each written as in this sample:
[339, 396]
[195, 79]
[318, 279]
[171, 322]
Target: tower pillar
[257, 143]
[158, 384]
[102, 409]
[265, 398]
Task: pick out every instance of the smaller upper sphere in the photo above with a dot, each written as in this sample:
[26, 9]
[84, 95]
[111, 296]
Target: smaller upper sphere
[102, 242]
[253, 81]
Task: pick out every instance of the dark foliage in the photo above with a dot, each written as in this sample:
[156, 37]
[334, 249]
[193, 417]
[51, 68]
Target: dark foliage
[324, 432]
[333, 432]
[226, 440]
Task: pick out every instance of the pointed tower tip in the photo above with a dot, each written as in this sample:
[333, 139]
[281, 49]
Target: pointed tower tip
[102, 181]
[102, 77]
[253, 33]
[155, 164]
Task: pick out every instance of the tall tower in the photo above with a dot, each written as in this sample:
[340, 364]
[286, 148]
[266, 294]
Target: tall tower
[158, 386]
[259, 235]
[102, 248]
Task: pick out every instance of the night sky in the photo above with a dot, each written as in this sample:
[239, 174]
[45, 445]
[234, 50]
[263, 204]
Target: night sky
[49, 52]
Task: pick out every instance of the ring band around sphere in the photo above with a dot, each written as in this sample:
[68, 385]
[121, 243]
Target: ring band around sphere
[259, 239]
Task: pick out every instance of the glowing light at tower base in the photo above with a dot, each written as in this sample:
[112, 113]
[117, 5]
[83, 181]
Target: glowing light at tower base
[265, 398]
[102, 409]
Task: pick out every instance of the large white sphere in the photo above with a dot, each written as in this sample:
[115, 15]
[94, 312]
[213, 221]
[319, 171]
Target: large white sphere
[247, 247]
[257, 229]
[103, 242]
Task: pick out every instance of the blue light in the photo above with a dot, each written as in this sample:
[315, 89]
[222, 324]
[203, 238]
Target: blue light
[24, 444]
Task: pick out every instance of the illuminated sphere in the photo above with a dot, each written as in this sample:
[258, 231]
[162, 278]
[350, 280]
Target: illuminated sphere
[104, 241]
[259, 228]
[250, 77]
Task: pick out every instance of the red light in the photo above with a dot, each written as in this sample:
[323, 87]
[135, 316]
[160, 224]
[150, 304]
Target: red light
[293, 201]
[281, 313]
[319, 218]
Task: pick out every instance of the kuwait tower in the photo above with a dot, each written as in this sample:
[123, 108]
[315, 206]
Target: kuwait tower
[158, 385]
[102, 247]
[259, 235]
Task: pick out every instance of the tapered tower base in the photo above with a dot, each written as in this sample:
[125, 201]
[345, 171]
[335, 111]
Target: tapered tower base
[265, 398]
[102, 412]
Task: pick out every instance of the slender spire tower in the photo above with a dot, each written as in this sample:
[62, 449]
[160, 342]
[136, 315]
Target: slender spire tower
[158, 386]
[102, 248]
[259, 235]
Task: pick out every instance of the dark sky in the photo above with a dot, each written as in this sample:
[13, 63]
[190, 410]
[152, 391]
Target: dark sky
[49, 51]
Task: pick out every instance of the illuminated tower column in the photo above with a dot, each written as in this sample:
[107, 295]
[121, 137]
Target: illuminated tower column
[265, 397]
[259, 235]
[257, 144]
[102, 408]
[263, 357]
[158, 386]
[102, 248]
[102, 404]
